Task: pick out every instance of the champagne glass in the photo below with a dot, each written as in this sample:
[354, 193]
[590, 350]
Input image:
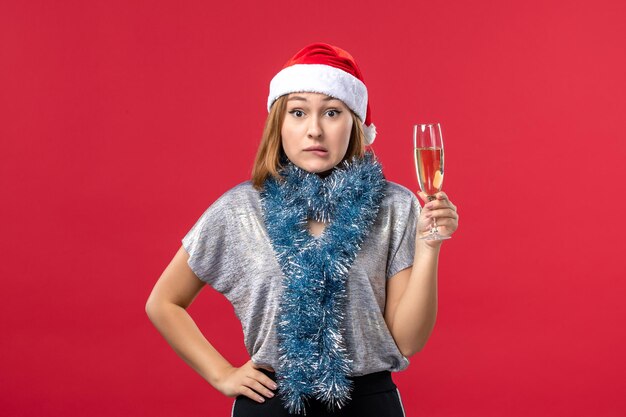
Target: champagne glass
[428, 151]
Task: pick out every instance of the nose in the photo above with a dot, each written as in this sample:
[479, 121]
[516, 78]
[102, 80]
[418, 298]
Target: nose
[315, 128]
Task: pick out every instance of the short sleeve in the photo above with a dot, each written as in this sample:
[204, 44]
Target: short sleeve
[402, 250]
[209, 247]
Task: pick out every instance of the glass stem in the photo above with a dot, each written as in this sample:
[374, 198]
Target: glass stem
[433, 230]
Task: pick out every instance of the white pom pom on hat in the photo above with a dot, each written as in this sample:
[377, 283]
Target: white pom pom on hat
[326, 69]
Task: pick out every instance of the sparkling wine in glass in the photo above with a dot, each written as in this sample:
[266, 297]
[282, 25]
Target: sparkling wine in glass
[428, 151]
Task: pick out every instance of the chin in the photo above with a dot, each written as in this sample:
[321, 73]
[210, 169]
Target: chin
[317, 168]
[314, 166]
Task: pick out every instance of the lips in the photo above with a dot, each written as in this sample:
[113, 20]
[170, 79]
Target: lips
[316, 149]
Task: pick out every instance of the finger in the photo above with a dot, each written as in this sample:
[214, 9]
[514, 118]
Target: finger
[258, 387]
[438, 203]
[243, 390]
[261, 377]
[441, 196]
[442, 214]
[448, 224]
[266, 381]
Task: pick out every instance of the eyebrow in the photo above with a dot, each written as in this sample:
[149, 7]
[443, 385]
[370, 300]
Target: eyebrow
[304, 99]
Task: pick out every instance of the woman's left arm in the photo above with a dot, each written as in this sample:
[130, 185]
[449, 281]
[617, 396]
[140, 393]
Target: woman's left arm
[411, 302]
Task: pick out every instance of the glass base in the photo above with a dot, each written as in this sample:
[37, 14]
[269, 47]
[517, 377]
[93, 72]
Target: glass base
[434, 235]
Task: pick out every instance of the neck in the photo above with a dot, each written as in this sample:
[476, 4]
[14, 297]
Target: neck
[325, 173]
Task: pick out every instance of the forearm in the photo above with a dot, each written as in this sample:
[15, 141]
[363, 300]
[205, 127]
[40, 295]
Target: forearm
[416, 312]
[183, 335]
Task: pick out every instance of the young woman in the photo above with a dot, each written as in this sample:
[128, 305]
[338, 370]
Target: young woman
[318, 256]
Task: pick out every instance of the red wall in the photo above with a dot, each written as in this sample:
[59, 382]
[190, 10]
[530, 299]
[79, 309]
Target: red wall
[121, 121]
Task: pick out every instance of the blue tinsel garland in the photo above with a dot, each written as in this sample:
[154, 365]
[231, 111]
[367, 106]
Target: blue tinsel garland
[313, 361]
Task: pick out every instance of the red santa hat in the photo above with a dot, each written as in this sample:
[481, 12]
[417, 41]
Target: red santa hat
[326, 69]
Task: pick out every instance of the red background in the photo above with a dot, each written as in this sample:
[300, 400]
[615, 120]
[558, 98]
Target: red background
[122, 121]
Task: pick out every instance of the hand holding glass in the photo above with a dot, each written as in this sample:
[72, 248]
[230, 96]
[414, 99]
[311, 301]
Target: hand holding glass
[428, 151]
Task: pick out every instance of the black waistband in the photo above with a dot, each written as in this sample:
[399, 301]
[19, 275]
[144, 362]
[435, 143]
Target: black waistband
[363, 385]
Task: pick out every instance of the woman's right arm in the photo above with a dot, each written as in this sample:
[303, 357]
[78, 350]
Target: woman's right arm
[166, 307]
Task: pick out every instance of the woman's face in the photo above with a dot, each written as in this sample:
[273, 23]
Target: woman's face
[316, 131]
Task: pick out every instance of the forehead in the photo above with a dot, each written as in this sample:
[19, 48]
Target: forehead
[312, 98]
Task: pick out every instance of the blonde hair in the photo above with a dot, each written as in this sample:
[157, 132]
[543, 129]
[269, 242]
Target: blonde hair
[267, 161]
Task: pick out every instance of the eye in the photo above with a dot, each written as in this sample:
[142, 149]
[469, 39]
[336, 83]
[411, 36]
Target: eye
[297, 113]
[333, 113]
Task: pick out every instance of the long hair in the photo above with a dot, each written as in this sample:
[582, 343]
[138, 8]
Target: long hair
[267, 161]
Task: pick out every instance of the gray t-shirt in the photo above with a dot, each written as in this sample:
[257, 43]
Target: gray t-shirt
[230, 250]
